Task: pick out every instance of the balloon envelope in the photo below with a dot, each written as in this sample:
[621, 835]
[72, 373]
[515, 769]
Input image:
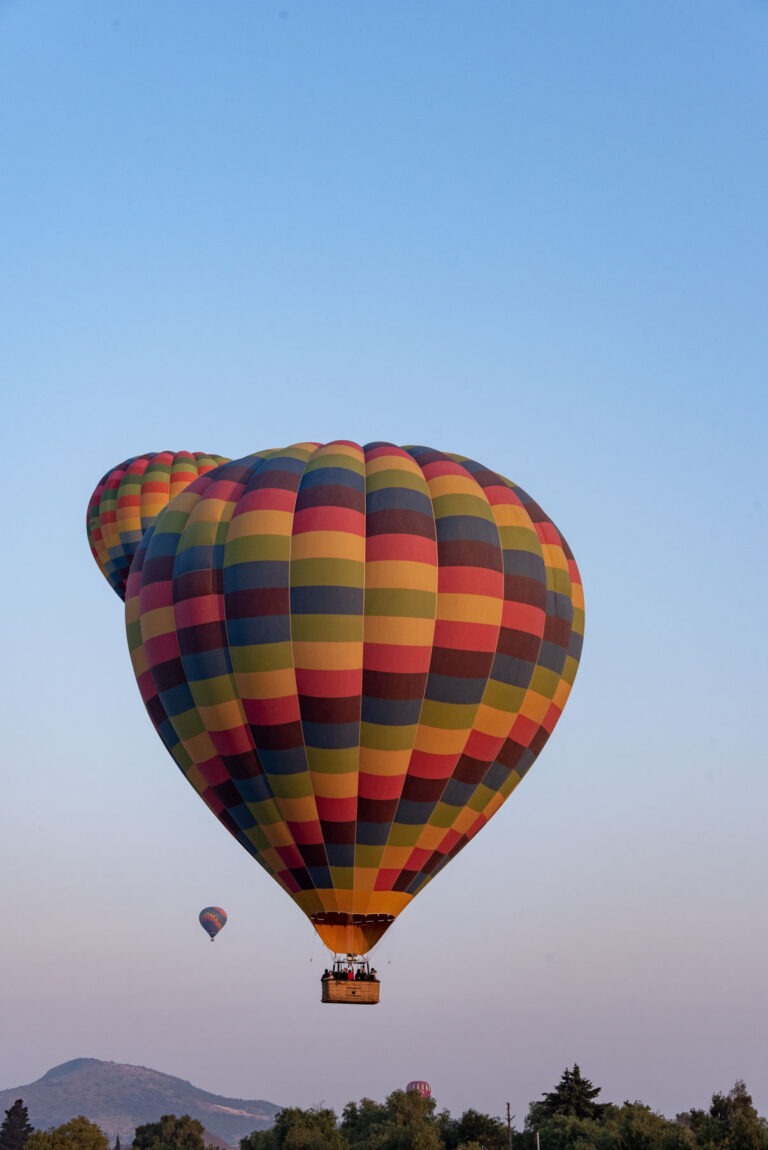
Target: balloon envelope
[212, 919]
[128, 498]
[419, 1087]
[354, 654]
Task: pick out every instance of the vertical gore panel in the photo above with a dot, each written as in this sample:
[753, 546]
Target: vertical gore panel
[400, 606]
[327, 580]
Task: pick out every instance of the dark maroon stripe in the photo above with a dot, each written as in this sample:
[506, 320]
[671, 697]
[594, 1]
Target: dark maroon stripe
[202, 637]
[519, 644]
[390, 685]
[376, 810]
[330, 710]
[195, 584]
[341, 833]
[419, 790]
[522, 589]
[400, 521]
[469, 553]
[330, 495]
[461, 664]
[469, 770]
[254, 602]
[278, 736]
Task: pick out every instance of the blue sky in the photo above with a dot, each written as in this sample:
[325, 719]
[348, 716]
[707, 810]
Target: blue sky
[530, 231]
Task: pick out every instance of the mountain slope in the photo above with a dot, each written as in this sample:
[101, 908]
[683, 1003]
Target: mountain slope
[119, 1098]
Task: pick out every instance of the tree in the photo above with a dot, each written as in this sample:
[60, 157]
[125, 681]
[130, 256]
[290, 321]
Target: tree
[478, 1129]
[731, 1123]
[297, 1129]
[258, 1140]
[16, 1129]
[170, 1133]
[77, 1134]
[573, 1097]
[405, 1121]
[634, 1126]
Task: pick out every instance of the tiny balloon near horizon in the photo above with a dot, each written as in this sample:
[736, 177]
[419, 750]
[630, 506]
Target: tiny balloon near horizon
[419, 1086]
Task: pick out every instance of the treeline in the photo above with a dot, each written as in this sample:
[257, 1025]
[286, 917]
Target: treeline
[566, 1118]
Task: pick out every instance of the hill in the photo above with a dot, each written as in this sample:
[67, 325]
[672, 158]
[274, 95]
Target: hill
[119, 1098]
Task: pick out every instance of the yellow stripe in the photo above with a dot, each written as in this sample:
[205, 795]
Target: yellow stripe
[470, 608]
[401, 575]
[264, 522]
[328, 545]
[398, 631]
[328, 656]
[161, 621]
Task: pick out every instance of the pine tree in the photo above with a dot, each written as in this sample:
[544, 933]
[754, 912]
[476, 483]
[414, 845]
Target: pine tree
[16, 1129]
[573, 1097]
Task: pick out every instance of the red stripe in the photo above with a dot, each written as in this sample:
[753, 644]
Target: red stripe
[524, 730]
[337, 810]
[386, 879]
[465, 636]
[390, 657]
[236, 741]
[213, 771]
[271, 712]
[380, 786]
[425, 765]
[290, 856]
[471, 581]
[306, 833]
[201, 609]
[329, 519]
[485, 747]
[413, 548]
[523, 617]
[547, 532]
[266, 499]
[439, 467]
[161, 649]
[331, 684]
[154, 595]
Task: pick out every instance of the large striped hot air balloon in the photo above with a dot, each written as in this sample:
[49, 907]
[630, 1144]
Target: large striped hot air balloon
[354, 654]
[127, 499]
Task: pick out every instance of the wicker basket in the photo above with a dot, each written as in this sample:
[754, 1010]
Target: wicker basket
[357, 992]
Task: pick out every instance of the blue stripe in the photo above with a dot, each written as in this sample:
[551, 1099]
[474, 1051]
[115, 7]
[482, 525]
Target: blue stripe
[327, 600]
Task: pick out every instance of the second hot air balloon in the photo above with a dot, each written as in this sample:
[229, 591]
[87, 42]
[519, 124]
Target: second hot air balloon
[354, 654]
[126, 501]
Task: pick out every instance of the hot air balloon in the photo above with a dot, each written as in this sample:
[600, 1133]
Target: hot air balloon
[212, 919]
[127, 499]
[419, 1087]
[354, 655]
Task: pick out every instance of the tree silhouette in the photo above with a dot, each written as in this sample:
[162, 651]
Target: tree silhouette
[573, 1097]
[16, 1129]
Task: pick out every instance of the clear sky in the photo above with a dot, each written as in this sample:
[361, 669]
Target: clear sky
[530, 231]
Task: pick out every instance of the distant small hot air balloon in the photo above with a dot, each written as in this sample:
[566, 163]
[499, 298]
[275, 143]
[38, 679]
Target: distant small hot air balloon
[128, 499]
[419, 1087]
[212, 919]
